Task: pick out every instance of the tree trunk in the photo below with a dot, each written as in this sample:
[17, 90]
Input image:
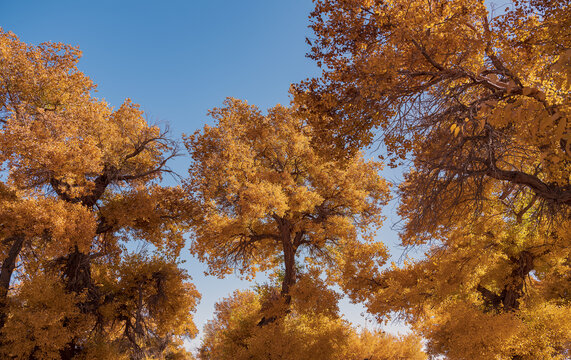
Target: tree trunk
[508, 299]
[290, 276]
[77, 278]
[513, 291]
[77, 271]
[6, 274]
[289, 250]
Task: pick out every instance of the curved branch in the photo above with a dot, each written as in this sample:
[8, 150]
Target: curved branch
[551, 192]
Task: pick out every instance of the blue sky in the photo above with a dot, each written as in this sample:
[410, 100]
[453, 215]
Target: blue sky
[178, 59]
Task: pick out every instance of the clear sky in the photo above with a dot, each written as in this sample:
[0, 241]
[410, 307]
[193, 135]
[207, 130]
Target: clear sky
[178, 59]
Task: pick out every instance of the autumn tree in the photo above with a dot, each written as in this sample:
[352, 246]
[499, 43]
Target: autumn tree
[477, 103]
[267, 198]
[80, 181]
[470, 95]
[305, 332]
[312, 329]
[490, 289]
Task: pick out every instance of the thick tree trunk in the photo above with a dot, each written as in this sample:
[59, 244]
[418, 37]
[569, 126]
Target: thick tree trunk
[514, 289]
[289, 251]
[290, 276]
[77, 271]
[77, 278]
[8, 266]
[508, 299]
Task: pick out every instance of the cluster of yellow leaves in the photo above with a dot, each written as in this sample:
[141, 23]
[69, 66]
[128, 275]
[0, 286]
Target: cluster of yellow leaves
[150, 213]
[444, 297]
[462, 331]
[44, 319]
[139, 293]
[305, 333]
[264, 191]
[78, 182]
[382, 346]
[43, 220]
[147, 295]
[479, 102]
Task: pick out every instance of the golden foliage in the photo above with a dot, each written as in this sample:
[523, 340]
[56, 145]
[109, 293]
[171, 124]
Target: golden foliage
[79, 182]
[477, 101]
[475, 97]
[479, 104]
[265, 193]
[304, 333]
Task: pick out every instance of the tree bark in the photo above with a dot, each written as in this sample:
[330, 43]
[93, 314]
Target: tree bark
[508, 299]
[290, 276]
[289, 251]
[6, 272]
[514, 289]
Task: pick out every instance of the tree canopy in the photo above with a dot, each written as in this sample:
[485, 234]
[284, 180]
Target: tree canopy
[79, 183]
[266, 197]
[312, 330]
[476, 97]
[476, 103]
[471, 101]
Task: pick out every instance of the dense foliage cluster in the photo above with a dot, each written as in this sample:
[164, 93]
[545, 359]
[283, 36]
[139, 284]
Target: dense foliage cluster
[473, 103]
[476, 104]
[267, 196]
[80, 183]
[313, 329]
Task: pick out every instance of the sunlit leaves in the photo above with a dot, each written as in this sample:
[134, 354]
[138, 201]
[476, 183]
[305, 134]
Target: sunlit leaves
[306, 332]
[79, 182]
[261, 185]
[478, 101]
